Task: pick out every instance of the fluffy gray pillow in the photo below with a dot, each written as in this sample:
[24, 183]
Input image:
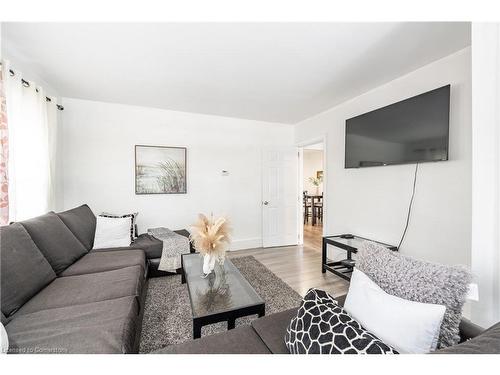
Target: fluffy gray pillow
[419, 281]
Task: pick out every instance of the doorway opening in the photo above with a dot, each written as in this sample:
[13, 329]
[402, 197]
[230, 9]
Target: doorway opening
[311, 182]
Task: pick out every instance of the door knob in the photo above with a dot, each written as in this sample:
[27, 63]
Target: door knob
[265, 203]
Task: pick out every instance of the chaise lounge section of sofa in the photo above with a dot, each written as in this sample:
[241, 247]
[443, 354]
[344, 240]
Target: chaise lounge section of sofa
[60, 296]
[82, 222]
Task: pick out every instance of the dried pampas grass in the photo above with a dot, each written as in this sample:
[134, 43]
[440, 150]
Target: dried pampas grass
[211, 236]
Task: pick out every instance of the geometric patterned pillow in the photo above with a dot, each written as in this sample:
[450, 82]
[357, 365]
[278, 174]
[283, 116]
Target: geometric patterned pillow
[323, 327]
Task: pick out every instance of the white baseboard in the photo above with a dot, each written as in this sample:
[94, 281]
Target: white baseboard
[248, 243]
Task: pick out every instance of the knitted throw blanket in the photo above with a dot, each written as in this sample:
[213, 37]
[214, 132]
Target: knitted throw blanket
[173, 246]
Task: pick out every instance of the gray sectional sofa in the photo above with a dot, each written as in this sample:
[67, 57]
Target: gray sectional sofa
[60, 296]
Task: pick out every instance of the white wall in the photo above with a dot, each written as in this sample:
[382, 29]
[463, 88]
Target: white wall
[373, 202]
[21, 63]
[312, 162]
[98, 164]
[486, 171]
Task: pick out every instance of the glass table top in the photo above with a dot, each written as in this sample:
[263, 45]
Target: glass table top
[355, 242]
[223, 290]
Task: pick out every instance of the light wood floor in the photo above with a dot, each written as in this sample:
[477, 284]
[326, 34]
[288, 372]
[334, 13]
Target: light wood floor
[299, 266]
[313, 236]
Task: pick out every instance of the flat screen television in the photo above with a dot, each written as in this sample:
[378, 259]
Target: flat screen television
[414, 130]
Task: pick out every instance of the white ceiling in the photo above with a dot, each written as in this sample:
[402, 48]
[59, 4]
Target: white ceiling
[278, 72]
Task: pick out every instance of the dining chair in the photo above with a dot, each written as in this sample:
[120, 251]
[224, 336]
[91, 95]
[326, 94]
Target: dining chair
[317, 210]
[307, 207]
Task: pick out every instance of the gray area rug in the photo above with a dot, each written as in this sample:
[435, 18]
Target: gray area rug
[167, 315]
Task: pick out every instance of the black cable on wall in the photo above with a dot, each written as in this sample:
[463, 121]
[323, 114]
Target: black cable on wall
[409, 206]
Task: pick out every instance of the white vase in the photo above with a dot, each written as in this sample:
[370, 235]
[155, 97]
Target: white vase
[208, 263]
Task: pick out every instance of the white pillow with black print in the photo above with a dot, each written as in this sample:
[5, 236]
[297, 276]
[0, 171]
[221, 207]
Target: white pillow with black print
[408, 326]
[323, 327]
[133, 233]
[112, 232]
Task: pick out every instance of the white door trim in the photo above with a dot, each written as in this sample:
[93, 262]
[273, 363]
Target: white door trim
[300, 145]
[300, 183]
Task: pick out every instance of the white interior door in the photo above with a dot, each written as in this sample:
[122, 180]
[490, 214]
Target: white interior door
[280, 197]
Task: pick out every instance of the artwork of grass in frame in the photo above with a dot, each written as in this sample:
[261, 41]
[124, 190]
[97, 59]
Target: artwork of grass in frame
[160, 170]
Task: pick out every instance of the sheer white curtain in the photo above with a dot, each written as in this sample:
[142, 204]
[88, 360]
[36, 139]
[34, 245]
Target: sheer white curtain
[32, 138]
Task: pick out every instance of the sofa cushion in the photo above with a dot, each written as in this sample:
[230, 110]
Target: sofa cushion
[113, 249]
[24, 270]
[56, 242]
[101, 327]
[272, 328]
[81, 221]
[106, 261]
[153, 247]
[150, 245]
[242, 340]
[82, 289]
[469, 330]
[419, 281]
[487, 342]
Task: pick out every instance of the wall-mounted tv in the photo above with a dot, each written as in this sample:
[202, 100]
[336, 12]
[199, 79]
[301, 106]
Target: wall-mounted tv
[414, 130]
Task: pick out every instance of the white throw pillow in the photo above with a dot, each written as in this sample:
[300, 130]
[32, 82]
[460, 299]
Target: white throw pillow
[112, 232]
[134, 215]
[407, 326]
[4, 340]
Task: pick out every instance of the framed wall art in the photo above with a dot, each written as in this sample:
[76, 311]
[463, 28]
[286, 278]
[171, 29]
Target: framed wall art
[160, 170]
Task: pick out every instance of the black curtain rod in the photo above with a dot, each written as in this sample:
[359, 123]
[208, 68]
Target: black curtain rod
[27, 84]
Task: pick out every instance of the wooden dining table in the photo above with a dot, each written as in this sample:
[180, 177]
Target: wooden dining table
[313, 198]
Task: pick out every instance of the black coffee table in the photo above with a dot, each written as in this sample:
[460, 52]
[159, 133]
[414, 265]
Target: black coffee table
[224, 295]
